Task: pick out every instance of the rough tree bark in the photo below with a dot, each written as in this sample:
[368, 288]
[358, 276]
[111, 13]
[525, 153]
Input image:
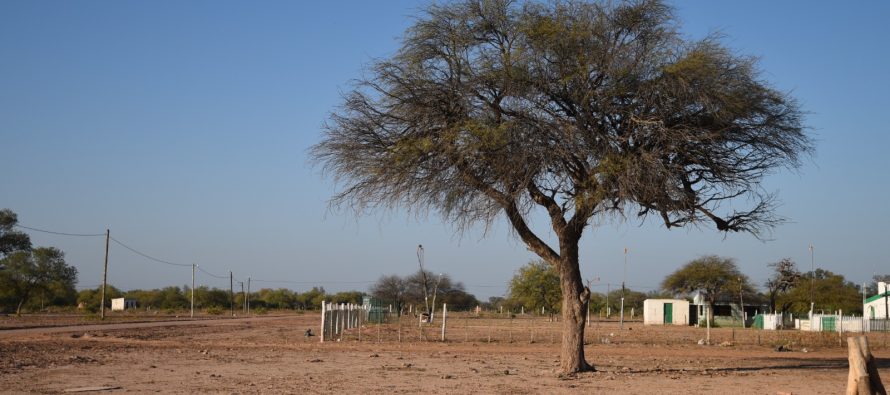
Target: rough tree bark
[575, 298]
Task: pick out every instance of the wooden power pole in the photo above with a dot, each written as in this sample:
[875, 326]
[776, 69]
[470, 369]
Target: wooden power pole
[105, 274]
[232, 293]
[193, 291]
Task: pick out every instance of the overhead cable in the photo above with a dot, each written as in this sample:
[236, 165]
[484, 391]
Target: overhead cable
[60, 233]
[310, 282]
[210, 274]
[149, 256]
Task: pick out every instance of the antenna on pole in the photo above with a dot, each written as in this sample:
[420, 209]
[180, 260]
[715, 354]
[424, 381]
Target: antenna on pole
[623, 279]
[426, 292]
[812, 281]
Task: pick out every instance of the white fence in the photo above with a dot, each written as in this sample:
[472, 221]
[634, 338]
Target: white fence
[336, 318]
[834, 323]
[770, 321]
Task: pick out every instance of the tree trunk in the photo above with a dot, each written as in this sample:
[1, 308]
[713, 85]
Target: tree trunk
[18, 309]
[575, 298]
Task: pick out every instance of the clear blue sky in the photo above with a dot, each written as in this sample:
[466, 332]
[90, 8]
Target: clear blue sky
[184, 128]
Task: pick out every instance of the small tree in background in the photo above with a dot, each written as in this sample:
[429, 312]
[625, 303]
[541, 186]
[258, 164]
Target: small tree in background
[785, 278]
[536, 286]
[40, 271]
[711, 275]
[829, 291]
[11, 239]
[311, 299]
[354, 297]
[390, 289]
[872, 287]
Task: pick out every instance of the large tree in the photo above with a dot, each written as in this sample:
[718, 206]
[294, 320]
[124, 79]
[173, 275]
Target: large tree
[582, 110]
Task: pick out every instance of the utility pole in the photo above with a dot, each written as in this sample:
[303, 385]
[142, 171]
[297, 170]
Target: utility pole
[426, 293]
[105, 273]
[232, 293]
[608, 308]
[243, 300]
[812, 282]
[588, 298]
[193, 291]
[435, 292]
[863, 307]
[623, 279]
[248, 296]
[886, 305]
[742, 303]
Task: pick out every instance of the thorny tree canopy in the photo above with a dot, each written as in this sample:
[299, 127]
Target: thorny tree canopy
[584, 109]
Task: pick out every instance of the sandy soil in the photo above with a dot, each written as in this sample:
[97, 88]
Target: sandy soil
[271, 355]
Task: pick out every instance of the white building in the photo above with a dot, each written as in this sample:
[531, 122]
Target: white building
[665, 312]
[120, 304]
[876, 306]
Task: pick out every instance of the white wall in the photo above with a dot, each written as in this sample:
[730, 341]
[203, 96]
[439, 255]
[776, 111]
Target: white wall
[653, 311]
[879, 306]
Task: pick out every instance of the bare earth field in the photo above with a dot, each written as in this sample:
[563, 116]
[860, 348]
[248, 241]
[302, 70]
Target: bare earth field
[268, 354]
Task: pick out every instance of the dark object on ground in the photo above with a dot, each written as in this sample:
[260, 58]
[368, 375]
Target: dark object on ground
[308, 333]
[782, 348]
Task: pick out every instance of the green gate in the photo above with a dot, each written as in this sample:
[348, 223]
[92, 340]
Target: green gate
[374, 309]
[828, 324]
[758, 321]
[668, 313]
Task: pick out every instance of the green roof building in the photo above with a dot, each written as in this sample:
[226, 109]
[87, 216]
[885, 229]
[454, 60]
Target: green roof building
[876, 306]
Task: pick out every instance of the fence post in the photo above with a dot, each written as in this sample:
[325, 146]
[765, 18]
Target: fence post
[444, 318]
[336, 320]
[321, 337]
[863, 377]
[331, 320]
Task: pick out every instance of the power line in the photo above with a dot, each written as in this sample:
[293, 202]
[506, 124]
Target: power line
[311, 282]
[211, 274]
[60, 233]
[148, 256]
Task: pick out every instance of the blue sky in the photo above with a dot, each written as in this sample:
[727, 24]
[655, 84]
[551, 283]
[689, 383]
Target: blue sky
[184, 127]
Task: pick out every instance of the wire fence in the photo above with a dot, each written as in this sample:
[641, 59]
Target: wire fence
[521, 330]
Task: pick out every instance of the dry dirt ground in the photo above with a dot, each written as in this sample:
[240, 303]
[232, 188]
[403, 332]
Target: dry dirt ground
[271, 355]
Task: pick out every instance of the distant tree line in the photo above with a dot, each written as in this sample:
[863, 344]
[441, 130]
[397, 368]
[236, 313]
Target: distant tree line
[402, 292]
[535, 288]
[217, 299]
[37, 278]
